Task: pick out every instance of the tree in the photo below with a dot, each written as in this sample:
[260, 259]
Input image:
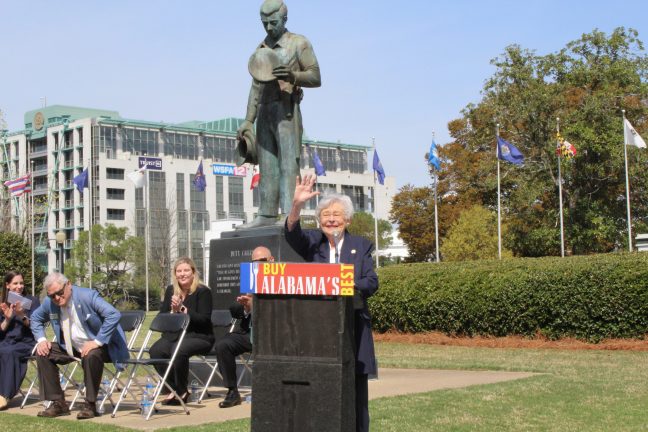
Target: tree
[472, 237]
[15, 254]
[363, 225]
[116, 257]
[413, 211]
[586, 85]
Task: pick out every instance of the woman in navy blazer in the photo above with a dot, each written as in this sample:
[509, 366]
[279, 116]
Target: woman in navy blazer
[331, 244]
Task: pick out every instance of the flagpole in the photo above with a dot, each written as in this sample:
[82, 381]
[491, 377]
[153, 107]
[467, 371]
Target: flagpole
[499, 212]
[625, 158]
[436, 219]
[146, 237]
[90, 262]
[33, 242]
[560, 203]
[375, 209]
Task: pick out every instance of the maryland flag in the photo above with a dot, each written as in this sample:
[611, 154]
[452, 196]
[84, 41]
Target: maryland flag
[564, 148]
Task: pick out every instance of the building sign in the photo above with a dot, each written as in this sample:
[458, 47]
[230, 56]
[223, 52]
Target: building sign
[150, 163]
[229, 170]
[297, 279]
[39, 121]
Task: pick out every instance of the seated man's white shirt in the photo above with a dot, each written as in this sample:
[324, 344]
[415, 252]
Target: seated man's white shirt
[78, 333]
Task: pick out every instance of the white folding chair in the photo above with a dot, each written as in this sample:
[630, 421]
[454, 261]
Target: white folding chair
[162, 323]
[131, 323]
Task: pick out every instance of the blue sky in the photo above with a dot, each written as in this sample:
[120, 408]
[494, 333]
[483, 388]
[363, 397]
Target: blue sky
[396, 71]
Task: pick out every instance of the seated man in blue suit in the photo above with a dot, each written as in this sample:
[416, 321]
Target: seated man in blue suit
[86, 327]
[333, 244]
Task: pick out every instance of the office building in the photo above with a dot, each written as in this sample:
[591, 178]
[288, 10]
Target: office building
[59, 142]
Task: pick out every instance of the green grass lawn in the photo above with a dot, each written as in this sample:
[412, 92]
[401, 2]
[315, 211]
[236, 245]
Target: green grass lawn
[576, 391]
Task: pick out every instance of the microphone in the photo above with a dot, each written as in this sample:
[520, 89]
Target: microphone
[336, 240]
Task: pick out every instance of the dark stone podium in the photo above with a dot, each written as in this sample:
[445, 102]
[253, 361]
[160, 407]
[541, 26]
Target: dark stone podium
[303, 376]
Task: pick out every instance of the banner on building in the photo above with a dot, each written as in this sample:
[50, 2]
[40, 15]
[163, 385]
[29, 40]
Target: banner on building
[229, 170]
[151, 163]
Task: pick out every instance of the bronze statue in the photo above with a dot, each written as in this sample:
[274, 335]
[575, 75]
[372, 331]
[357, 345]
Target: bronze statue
[281, 65]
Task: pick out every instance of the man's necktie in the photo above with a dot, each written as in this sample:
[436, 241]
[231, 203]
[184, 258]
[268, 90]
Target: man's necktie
[67, 332]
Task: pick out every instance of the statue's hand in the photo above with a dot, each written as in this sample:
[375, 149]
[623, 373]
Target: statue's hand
[245, 126]
[284, 73]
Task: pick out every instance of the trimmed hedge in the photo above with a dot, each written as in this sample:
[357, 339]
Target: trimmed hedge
[587, 297]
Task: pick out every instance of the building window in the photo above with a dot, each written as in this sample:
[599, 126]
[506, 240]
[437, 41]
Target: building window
[114, 174]
[181, 146]
[180, 192]
[352, 161]
[220, 149]
[236, 197]
[220, 203]
[115, 214]
[327, 156]
[357, 196]
[108, 141]
[141, 141]
[114, 194]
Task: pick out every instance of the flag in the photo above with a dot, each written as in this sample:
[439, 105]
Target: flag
[378, 168]
[564, 148]
[433, 156]
[630, 135]
[199, 179]
[20, 185]
[319, 166]
[256, 178]
[81, 180]
[508, 152]
[138, 177]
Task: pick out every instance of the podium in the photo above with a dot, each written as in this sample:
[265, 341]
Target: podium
[304, 366]
[303, 376]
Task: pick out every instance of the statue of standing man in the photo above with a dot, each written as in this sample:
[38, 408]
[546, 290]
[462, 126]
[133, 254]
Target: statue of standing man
[274, 103]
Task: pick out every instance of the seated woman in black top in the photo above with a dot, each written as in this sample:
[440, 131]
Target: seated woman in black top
[16, 339]
[186, 295]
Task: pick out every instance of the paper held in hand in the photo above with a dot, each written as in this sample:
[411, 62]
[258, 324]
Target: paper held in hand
[13, 298]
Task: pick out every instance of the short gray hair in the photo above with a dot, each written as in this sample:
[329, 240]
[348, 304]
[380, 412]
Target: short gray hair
[53, 278]
[330, 199]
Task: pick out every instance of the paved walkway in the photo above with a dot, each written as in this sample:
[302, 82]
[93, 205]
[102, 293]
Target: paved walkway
[391, 382]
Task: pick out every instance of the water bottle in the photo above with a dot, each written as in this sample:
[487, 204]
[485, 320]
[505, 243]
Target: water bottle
[149, 387]
[248, 398]
[145, 403]
[63, 381]
[104, 393]
[146, 397]
[194, 391]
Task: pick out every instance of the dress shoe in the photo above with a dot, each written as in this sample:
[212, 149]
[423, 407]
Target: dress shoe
[56, 409]
[3, 403]
[174, 401]
[88, 411]
[232, 398]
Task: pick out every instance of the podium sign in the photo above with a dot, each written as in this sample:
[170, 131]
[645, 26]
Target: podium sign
[305, 279]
